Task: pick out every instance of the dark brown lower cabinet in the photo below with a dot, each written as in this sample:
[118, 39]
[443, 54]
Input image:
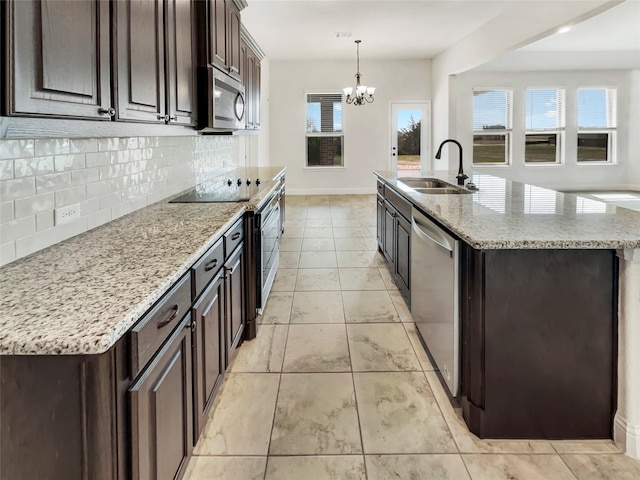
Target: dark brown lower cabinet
[403, 253]
[161, 411]
[235, 298]
[59, 417]
[394, 239]
[208, 349]
[539, 336]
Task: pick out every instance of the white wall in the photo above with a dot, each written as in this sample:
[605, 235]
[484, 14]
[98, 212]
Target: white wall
[570, 174]
[367, 135]
[634, 137]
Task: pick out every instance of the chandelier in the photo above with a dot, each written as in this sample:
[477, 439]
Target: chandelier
[363, 93]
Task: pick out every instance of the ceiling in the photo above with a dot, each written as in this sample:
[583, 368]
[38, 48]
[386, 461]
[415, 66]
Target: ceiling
[610, 40]
[419, 29]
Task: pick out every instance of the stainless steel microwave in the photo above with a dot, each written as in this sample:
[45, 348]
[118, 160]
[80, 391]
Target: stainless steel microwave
[221, 106]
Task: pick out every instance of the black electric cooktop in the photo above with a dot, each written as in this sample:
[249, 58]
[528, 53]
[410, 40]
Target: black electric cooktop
[238, 190]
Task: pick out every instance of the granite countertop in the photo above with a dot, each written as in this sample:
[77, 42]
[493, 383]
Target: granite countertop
[505, 214]
[81, 295]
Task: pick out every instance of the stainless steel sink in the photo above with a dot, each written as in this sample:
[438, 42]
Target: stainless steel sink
[432, 186]
[424, 183]
[441, 191]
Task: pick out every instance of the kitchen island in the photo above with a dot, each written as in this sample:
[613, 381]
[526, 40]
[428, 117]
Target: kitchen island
[78, 326]
[550, 284]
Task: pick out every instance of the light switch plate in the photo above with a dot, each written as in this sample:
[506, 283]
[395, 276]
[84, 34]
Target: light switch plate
[67, 214]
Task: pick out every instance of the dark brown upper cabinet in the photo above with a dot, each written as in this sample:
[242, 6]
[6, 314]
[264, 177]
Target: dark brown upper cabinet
[234, 57]
[180, 54]
[224, 37]
[155, 61]
[140, 60]
[58, 59]
[218, 33]
[251, 79]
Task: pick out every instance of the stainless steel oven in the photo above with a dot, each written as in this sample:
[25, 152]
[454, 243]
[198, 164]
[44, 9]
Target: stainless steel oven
[268, 246]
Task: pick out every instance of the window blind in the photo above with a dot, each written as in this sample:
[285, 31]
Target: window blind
[596, 108]
[324, 112]
[492, 109]
[544, 109]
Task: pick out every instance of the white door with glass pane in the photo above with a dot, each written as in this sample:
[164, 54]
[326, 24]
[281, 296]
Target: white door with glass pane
[410, 146]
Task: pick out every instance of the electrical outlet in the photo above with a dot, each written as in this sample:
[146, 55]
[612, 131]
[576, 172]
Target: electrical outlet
[67, 214]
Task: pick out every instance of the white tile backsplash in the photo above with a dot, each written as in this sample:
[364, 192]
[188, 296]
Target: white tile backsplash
[27, 167]
[66, 163]
[109, 177]
[7, 252]
[18, 228]
[16, 148]
[44, 220]
[70, 196]
[16, 189]
[6, 169]
[51, 146]
[53, 182]
[6, 212]
[32, 205]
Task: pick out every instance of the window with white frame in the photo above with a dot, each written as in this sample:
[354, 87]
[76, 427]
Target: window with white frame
[325, 133]
[596, 124]
[544, 125]
[492, 114]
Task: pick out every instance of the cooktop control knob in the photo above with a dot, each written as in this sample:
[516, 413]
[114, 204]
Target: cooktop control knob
[229, 182]
[239, 182]
[257, 181]
[248, 182]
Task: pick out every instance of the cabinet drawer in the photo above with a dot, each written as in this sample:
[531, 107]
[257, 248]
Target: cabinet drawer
[233, 237]
[156, 325]
[206, 268]
[380, 186]
[400, 204]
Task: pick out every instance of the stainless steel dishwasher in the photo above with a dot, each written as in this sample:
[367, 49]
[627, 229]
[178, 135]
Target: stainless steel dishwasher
[435, 294]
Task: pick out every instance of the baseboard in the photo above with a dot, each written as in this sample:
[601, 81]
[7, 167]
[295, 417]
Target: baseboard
[626, 436]
[333, 191]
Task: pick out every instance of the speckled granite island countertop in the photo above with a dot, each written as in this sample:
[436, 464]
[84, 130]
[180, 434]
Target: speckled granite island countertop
[505, 214]
[81, 295]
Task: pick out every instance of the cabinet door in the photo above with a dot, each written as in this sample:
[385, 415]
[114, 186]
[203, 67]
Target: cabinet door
[59, 55]
[389, 238]
[140, 60]
[250, 72]
[257, 72]
[180, 73]
[243, 65]
[161, 411]
[234, 56]
[218, 33]
[208, 317]
[403, 252]
[235, 296]
[380, 223]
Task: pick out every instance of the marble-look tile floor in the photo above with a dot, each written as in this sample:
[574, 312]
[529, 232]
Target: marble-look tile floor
[337, 385]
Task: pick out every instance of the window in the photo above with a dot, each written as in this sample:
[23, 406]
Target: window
[596, 124]
[544, 125]
[325, 135]
[492, 113]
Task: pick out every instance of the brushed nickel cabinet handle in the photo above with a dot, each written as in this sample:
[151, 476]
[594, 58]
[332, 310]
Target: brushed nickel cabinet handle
[107, 111]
